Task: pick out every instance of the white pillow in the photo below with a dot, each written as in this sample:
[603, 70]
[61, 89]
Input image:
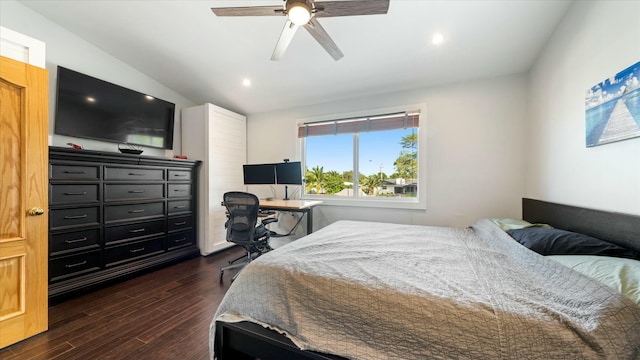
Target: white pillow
[619, 274]
[507, 224]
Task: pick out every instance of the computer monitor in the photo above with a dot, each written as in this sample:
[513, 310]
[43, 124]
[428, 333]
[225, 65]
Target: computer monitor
[289, 173]
[259, 174]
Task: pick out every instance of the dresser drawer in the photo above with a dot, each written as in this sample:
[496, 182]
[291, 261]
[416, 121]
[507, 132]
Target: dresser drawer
[73, 265]
[179, 175]
[181, 239]
[179, 190]
[116, 234]
[135, 174]
[73, 194]
[74, 241]
[81, 216]
[74, 172]
[119, 192]
[132, 251]
[179, 206]
[133, 211]
[180, 223]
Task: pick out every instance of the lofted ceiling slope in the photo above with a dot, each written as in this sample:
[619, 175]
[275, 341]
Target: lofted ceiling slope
[205, 58]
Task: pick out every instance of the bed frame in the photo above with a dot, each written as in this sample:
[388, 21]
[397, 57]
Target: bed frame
[618, 228]
[248, 341]
[245, 340]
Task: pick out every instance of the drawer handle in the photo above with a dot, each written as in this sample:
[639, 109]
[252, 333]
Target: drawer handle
[76, 193]
[136, 230]
[136, 211]
[76, 240]
[75, 217]
[74, 172]
[180, 223]
[74, 265]
[179, 189]
[177, 175]
[136, 250]
[136, 191]
[180, 207]
[136, 174]
[180, 240]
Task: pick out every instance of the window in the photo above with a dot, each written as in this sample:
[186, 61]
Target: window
[382, 149]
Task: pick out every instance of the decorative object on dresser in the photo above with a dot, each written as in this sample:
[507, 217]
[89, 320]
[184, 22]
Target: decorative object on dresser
[115, 215]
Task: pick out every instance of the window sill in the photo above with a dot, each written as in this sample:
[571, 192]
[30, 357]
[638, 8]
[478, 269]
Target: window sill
[409, 203]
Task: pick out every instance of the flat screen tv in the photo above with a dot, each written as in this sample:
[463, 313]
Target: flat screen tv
[289, 173]
[91, 108]
[259, 174]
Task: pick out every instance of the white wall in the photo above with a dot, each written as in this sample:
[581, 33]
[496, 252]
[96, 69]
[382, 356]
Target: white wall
[474, 143]
[596, 40]
[69, 50]
[475, 150]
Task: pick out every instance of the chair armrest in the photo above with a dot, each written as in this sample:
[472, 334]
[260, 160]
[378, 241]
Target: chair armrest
[269, 220]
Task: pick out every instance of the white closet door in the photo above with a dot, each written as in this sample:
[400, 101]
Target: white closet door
[227, 154]
[218, 138]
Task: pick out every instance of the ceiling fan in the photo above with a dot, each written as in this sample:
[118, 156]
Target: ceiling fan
[304, 13]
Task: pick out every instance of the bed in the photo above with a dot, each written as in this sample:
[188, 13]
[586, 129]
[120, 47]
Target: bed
[348, 292]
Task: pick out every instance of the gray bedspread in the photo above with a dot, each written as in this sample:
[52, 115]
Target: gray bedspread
[367, 290]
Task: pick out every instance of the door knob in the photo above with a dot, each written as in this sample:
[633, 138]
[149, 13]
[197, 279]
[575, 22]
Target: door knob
[35, 211]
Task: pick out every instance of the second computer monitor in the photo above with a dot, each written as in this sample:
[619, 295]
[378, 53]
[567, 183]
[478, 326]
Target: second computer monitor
[289, 173]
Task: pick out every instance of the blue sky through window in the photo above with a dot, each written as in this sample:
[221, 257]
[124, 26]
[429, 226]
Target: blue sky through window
[335, 152]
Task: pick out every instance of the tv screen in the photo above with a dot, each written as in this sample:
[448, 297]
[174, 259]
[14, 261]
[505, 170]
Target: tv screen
[289, 173]
[91, 108]
[259, 174]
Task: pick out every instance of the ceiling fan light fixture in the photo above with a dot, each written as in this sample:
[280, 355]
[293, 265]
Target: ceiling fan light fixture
[437, 39]
[302, 13]
[299, 12]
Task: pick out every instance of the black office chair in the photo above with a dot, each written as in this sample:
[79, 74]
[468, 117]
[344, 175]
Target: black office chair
[243, 227]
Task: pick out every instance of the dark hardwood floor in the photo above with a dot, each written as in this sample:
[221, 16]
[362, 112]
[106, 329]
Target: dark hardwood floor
[164, 314]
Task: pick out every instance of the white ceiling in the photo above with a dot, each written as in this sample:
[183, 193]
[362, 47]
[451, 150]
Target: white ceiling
[184, 46]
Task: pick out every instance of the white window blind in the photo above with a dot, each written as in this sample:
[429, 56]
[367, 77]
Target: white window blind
[402, 120]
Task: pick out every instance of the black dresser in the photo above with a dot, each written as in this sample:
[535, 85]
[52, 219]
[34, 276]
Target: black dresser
[112, 216]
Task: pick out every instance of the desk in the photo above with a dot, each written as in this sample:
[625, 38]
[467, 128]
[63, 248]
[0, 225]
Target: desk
[302, 206]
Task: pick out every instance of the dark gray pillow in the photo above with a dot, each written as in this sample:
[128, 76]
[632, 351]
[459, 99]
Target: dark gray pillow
[562, 242]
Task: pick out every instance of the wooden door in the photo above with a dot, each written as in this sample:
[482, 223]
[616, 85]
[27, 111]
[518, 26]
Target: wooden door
[23, 200]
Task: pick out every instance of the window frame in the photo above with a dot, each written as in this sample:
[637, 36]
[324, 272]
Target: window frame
[418, 203]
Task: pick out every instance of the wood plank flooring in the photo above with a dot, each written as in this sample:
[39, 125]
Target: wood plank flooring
[164, 314]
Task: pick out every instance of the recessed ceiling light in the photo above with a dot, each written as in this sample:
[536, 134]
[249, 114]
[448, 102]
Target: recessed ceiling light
[90, 99]
[149, 97]
[246, 82]
[437, 39]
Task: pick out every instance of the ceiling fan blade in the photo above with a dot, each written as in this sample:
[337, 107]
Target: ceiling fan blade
[249, 11]
[347, 8]
[285, 38]
[317, 31]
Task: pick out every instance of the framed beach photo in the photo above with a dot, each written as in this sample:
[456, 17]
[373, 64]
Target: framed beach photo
[612, 108]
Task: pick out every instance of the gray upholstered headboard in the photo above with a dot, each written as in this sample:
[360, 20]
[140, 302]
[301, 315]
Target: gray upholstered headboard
[618, 228]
